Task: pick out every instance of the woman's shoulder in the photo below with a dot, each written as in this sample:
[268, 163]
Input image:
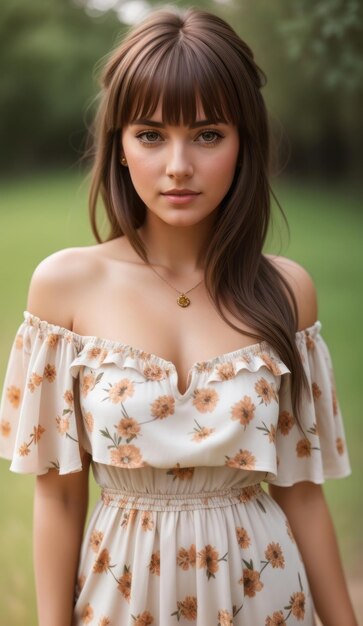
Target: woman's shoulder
[58, 282]
[302, 286]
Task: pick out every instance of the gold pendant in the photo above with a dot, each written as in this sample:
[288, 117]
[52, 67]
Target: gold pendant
[183, 300]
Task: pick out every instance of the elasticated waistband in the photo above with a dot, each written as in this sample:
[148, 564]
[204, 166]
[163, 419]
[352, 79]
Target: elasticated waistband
[179, 501]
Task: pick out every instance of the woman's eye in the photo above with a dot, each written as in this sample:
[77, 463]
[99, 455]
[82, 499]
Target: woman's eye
[148, 136]
[210, 136]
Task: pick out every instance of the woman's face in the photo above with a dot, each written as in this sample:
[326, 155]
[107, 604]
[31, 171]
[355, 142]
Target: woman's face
[181, 173]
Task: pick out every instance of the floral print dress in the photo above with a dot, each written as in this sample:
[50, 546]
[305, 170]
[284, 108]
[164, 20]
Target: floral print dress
[182, 531]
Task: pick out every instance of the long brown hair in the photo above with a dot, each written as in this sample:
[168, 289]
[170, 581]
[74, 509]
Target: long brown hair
[179, 57]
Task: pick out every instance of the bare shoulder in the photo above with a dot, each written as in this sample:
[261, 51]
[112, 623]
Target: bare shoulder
[302, 286]
[57, 283]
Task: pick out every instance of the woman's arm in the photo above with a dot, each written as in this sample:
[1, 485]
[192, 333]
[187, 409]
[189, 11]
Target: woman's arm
[61, 501]
[60, 508]
[306, 509]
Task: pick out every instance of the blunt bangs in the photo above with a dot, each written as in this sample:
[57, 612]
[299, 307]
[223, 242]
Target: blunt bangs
[179, 74]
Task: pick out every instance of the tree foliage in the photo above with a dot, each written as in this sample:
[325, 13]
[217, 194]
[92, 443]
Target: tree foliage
[310, 50]
[326, 36]
[48, 53]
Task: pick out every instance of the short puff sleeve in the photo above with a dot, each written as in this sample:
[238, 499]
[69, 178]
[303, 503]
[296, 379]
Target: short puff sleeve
[317, 449]
[38, 426]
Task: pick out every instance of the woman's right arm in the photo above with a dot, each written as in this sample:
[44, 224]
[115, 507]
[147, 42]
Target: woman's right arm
[60, 501]
[60, 509]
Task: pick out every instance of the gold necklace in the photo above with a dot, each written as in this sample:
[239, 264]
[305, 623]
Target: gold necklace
[182, 299]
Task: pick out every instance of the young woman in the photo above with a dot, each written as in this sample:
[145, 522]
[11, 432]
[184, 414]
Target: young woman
[182, 362]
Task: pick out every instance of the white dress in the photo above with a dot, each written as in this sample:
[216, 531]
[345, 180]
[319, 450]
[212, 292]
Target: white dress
[182, 531]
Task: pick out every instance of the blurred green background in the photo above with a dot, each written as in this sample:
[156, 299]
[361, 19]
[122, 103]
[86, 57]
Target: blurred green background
[311, 53]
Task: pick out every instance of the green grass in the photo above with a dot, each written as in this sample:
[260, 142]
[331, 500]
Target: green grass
[42, 215]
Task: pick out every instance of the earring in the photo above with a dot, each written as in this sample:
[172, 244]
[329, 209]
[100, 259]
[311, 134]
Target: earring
[123, 161]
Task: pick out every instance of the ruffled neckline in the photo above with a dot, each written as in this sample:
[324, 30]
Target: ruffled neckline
[89, 341]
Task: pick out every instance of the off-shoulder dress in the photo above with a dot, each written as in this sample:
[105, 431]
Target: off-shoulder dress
[183, 530]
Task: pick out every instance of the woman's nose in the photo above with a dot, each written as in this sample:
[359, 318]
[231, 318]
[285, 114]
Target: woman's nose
[179, 163]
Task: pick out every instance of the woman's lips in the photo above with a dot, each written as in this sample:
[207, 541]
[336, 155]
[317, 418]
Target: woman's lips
[180, 197]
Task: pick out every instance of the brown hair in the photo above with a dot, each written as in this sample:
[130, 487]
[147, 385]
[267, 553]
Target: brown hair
[179, 56]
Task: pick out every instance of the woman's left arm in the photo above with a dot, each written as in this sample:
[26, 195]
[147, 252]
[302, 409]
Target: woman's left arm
[306, 509]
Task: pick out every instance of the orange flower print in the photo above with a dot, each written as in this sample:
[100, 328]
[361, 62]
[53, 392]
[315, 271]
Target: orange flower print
[186, 558]
[316, 391]
[24, 449]
[134, 353]
[207, 559]
[205, 400]
[244, 411]
[201, 432]
[243, 537]
[277, 619]
[121, 390]
[5, 428]
[104, 621]
[143, 619]
[265, 391]
[95, 540]
[80, 584]
[286, 422]
[13, 394]
[192, 555]
[297, 601]
[128, 428]
[182, 559]
[125, 582]
[35, 436]
[50, 373]
[242, 460]
[274, 555]
[153, 371]
[183, 473]
[270, 363]
[89, 421]
[52, 340]
[187, 608]
[248, 493]
[340, 445]
[87, 614]
[162, 407]
[19, 342]
[303, 448]
[87, 384]
[270, 432]
[68, 397]
[226, 370]
[97, 353]
[102, 563]
[154, 565]
[147, 521]
[203, 366]
[62, 425]
[225, 618]
[37, 433]
[251, 581]
[128, 518]
[127, 456]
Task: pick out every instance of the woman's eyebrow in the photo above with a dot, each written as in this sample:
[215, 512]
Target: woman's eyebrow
[161, 125]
